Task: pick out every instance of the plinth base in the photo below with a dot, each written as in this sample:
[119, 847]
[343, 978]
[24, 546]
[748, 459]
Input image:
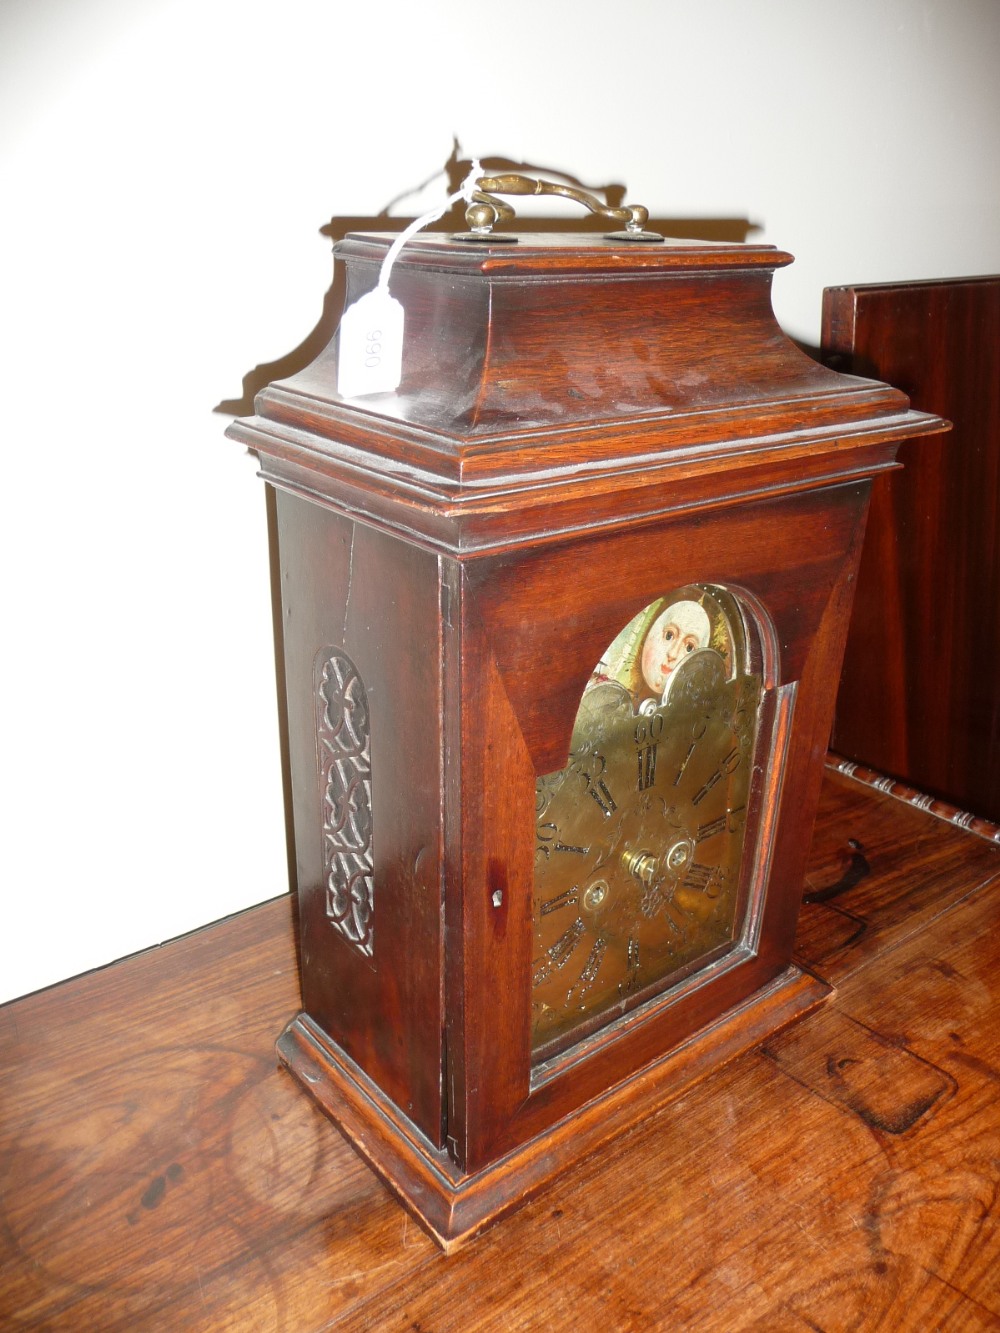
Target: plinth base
[454, 1206]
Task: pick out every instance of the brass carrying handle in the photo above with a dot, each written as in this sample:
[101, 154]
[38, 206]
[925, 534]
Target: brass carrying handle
[485, 210]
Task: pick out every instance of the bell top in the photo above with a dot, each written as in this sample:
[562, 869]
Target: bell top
[563, 330]
[567, 368]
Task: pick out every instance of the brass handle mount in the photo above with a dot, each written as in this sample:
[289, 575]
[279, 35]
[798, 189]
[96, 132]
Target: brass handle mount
[486, 210]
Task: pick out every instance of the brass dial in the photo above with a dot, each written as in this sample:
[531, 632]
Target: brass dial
[640, 839]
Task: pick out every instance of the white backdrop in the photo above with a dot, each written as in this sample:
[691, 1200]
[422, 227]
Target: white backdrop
[165, 167]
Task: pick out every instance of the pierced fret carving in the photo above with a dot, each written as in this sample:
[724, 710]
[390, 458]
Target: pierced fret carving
[343, 733]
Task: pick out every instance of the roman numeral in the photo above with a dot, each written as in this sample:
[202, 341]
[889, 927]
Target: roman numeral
[713, 827]
[603, 797]
[568, 898]
[630, 982]
[729, 765]
[702, 792]
[685, 761]
[698, 877]
[647, 767]
[591, 968]
[558, 955]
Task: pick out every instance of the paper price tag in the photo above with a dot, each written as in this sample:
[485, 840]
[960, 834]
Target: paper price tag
[371, 345]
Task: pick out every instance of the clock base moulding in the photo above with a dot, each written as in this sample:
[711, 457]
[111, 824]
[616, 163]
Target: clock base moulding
[453, 1206]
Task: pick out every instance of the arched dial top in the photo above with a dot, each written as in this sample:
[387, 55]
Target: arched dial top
[640, 839]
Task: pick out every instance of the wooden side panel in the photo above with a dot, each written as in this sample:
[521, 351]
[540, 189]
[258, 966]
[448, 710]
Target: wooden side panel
[920, 693]
[348, 587]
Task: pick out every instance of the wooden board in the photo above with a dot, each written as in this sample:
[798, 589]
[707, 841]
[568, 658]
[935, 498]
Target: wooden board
[920, 693]
[158, 1170]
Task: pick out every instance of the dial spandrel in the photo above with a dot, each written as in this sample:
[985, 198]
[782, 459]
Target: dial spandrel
[640, 838]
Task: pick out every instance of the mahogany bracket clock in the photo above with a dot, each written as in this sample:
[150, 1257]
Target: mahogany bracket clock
[563, 618]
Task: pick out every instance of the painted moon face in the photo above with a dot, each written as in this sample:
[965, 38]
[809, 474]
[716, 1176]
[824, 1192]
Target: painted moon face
[679, 630]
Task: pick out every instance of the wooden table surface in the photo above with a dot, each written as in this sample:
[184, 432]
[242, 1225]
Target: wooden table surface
[159, 1171]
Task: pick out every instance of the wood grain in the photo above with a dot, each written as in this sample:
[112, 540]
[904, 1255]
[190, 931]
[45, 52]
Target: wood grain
[920, 694]
[158, 1170]
[862, 890]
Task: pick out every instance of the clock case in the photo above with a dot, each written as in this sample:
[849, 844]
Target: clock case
[582, 425]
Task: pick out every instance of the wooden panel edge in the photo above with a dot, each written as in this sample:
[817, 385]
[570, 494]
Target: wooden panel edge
[453, 1208]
